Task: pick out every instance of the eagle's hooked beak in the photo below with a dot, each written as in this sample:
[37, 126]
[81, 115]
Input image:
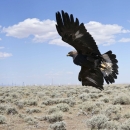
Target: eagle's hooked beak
[68, 55]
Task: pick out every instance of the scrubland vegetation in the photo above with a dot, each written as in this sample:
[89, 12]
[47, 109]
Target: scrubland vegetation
[65, 108]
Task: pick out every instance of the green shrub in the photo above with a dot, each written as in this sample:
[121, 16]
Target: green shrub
[113, 112]
[2, 119]
[11, 110]
[63, 107]
[122, 99]
[53, 109]
[111, 125]
[20, 104]
[127, 115]
[14, 95]
[125, 125]
[32, 102]
[97, 122]
[93, 95]
[33, 110]
[84, 97]
[3, 108]
[22, 116]
[30, 120]
[105, 99]
[58, 126]
[88, 106]
[54, 117]
[2, 100]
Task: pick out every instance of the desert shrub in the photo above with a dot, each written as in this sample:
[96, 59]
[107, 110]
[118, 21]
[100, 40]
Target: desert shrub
[20, 104]
[71, 93]
[24, 102]
[14, 95]
[53, 109]
[58, 126]
[93, 95]
[2, 100]
[22, 116]
[99, 104]
[96, 111]
[108, 91]
[6, 94]
[97, 122]
[111, 125]
[127, 115]
[1, 93]
[84, 97]
[11, 110]
[39, 118]
[27, 93]
[30, 120]
[53, 95]
[86, 90]
[9, 99]
[113, 112]
[51, 101]
[54, 117]
[122, 99]
[88, 106]
[104, 99]
[63, 107]
[125, 125]
[2, 119]
[32, 102]
[69, 101]
[127, 86]
[40, 94]
[41, 106]
[47, 93]
[3, 108]
[33, 110]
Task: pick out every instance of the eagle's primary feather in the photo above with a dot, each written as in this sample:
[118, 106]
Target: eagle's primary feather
[94, 66]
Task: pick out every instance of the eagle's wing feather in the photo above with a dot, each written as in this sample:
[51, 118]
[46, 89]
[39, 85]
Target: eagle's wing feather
[90, 77]
[75, 34]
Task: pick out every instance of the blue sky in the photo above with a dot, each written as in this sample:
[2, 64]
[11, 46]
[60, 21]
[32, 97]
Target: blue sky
[32, 52]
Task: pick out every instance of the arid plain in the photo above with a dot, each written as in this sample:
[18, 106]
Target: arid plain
[65, 108]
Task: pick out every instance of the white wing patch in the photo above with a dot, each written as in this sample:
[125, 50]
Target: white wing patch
[108, 65]
[78, 35]
[106, 57]
[108, 69]
[92, 80]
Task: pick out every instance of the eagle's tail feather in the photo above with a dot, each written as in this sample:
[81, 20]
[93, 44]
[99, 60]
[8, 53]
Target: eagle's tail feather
[109, 67]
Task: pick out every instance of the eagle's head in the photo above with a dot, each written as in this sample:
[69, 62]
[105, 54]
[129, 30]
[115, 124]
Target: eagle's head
[72, 53]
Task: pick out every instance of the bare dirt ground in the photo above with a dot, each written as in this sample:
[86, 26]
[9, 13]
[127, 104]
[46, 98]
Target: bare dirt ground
[65, 108]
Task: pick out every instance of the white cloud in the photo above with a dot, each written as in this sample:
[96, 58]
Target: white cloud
[104, 33]
[45, 31]
[58, 41]
[124, 40]
[5, 55]
[31, 27]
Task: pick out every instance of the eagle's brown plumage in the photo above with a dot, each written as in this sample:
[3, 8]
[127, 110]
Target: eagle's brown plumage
[94, 66]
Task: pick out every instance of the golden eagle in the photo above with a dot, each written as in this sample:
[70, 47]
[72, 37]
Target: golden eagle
[95, 67]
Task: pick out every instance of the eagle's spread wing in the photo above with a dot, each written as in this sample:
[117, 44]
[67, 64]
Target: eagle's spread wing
[91, 78]
[75, 34]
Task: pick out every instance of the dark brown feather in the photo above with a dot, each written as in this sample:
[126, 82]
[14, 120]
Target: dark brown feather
[67, 28]
[85, 74]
